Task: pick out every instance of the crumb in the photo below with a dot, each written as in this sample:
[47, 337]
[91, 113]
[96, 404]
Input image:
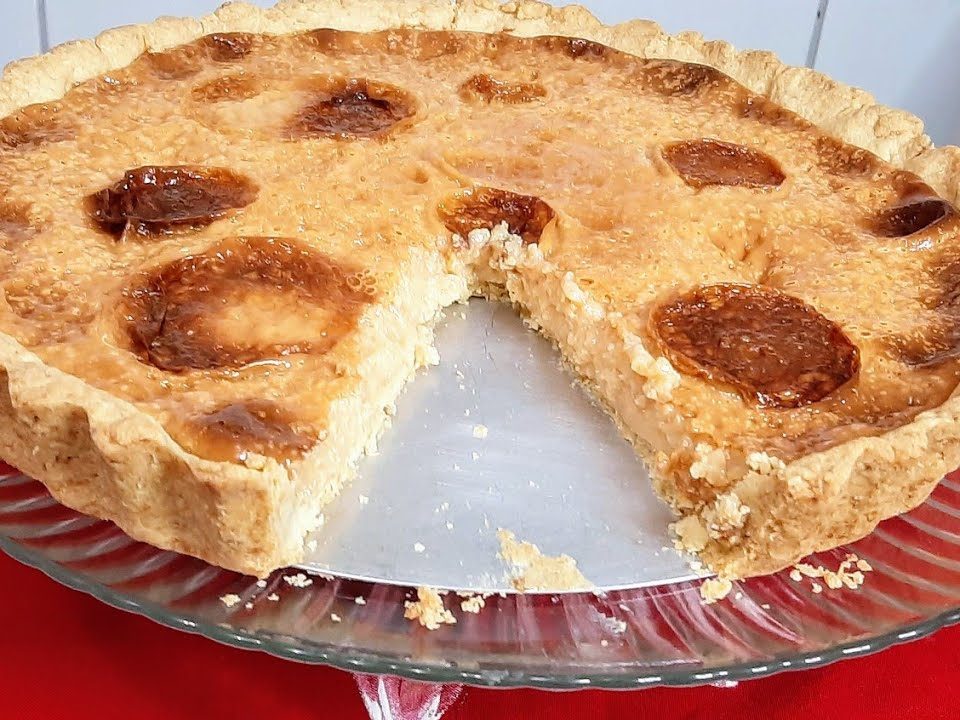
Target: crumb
[480, 431]
[419, 547]
[261, 584]
[843, 576]
[449, 525]
[531, 570]
[604, 643]
[273, 597]
[817, 588]
[472, 604]
[614, 625]
[428, 609]
[714, 589]
[363, 499]
[359, 600]
[336, 618]
[298, 581]
[765, 606]
[248, 606]
[475, 455]
[230, 600]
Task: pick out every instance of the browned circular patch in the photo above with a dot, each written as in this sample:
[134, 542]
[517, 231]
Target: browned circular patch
[159, 199]
[486, 207]
[245, 300]
[911, 218]
[771, 347]
[713, 162]
[233, 431]
[839, 158]
[490, 89]
[674, 78]
[227, 47]
[354, 108]
[35, 125]
[240, 86]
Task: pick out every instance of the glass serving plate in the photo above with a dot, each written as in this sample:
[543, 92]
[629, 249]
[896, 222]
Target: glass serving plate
[661, 635]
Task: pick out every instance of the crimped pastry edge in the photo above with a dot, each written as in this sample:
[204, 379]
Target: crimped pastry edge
[101, 455]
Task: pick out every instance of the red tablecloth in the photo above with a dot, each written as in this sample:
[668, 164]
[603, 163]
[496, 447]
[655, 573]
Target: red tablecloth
[65, 655]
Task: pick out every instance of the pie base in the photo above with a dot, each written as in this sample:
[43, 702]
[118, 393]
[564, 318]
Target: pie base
[102, 456]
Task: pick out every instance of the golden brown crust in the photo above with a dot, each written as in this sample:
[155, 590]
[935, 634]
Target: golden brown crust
[101, 455]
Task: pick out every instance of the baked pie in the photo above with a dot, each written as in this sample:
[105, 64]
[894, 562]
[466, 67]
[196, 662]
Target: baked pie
[225, 242]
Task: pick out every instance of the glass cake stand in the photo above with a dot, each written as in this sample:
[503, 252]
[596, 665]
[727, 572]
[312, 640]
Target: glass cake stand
[630, 638]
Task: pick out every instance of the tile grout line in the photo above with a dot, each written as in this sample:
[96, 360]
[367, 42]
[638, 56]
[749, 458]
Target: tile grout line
[42, 25]
[814, 47]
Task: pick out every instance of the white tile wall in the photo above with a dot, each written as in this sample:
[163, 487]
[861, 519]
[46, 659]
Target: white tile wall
[906, 53]
[19, 30]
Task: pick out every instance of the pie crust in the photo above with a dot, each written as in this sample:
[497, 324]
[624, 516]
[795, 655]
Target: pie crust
[104, 456]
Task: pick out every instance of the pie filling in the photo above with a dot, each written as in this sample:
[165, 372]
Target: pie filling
[249, 237]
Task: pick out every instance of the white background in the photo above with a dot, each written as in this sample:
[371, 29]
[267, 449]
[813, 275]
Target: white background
[905, 53]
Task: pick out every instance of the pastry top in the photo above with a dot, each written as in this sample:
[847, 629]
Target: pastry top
[199, 232]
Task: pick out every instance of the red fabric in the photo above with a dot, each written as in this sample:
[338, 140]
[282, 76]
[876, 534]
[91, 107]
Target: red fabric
[65, 655]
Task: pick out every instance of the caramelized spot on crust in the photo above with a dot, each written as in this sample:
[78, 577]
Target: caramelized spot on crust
[714, 162]
[769, 346]
[353, 108]
[227, 47]
[158, 199]
[763, 110]
[580, 48]
[184, 61]
[177, 63]
[492, 90]
[33, 126]
[15, 224]
[674, 78]
[229, 87]
[243, 301]
[486, 207]
[911, 218]
[838, 158]
[251, 426]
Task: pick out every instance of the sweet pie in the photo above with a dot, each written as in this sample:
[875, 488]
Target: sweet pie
[225, 242]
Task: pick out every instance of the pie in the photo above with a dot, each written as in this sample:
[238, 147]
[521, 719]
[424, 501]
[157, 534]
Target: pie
[225, 242]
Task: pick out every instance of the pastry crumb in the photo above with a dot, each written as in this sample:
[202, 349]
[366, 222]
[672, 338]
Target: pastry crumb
[473, 603]
[480, 431]
[360, 600]
[248, 606]
[230, 600]
[843, 577]
[298, 581]
[419, 547]
[335, 618]
[614, 625]
[273, 597]
[531, 570]
[261, 584]
[428, 609]
[715, 589]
